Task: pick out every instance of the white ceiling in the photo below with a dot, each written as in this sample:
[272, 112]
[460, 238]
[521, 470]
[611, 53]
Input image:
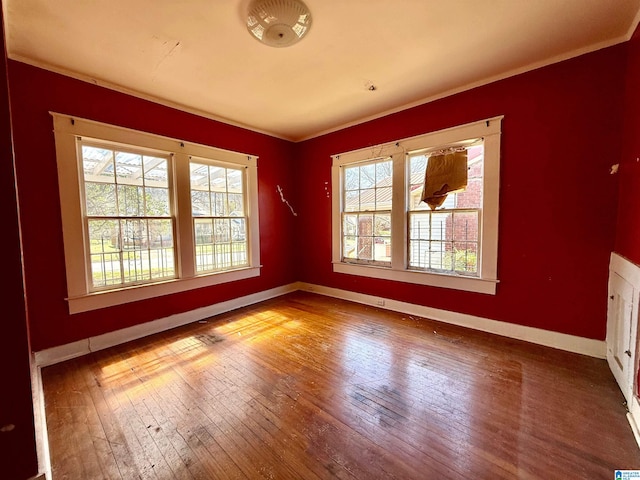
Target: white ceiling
[198, 56]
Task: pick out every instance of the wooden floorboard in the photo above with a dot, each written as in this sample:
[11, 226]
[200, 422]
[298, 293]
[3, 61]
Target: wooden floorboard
[309, 387]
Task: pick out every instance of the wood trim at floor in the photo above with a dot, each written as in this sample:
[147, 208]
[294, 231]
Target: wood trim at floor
[562, 341]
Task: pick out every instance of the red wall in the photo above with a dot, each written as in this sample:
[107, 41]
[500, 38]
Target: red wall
[36, 92]
[561, 134]
[628, 229]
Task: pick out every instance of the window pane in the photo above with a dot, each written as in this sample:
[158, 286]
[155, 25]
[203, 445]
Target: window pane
[417, 168]
[236, 207]
[104, 236]
[130, 201]
[365, 248]
[97, 164]
[472, 196]
[222, 254]
[349, 236]
[136, 266]
[465, 226]
[128, 168]
[217, 179]
[104, 241]
[383, 198]
[367, 200]
[157, 202]
[100, 199]
[234, 181]
[419, 239]
[134, 234]
[156, 172]
[221, 230]
[239, 256]
[238, 229]
[160, 234]
[203, 231]
[382, 238]
[219, 204]
[384, 172]
[200, 203]
[161, 251]
[199, 177]
[352, 178]
[352, 201]
[441, 226]
[420, 226]
[465, 257]
[367, 176]
[437, 258]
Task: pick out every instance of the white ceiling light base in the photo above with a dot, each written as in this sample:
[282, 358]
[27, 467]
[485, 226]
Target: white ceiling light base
[278, 23]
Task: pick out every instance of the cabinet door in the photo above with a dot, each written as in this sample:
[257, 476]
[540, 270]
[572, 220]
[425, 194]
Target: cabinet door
[619, 321]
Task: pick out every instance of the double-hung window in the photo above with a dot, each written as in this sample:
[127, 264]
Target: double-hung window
[145, 215]
[129, 221]
[383, 229]
[366, 219]
[219, 217]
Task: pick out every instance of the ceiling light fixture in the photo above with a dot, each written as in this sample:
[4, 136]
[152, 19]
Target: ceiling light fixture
[278, 23]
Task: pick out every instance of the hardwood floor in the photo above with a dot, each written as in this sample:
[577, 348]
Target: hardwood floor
[310, 387]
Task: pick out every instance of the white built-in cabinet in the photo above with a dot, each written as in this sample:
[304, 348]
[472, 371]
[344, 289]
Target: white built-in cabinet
[622, 331]
[619, 323]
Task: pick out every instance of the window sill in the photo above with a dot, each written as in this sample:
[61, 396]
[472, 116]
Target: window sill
[476, 285]
[97, 300]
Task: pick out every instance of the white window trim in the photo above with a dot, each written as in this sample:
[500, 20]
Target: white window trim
[488, 129]
[67, 129]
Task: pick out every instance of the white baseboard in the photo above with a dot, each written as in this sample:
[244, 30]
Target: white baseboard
[571, 343]
[562, 341]
[117, 337]
[634, 413]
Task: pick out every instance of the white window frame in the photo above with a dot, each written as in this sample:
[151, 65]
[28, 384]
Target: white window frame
[490, 131]
[80, 297]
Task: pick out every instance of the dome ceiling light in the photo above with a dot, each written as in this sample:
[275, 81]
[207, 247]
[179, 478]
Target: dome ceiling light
[278, 23]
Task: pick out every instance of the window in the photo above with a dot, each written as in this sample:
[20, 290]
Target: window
[382, 229]
[129, 221]
[219, 218]
[145, 215]
[366, 220]
[445, 240]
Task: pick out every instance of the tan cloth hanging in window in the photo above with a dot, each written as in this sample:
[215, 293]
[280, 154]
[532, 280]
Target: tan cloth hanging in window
[446, 173]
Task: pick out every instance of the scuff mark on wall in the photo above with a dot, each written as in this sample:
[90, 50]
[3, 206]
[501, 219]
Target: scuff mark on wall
[284, 200]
